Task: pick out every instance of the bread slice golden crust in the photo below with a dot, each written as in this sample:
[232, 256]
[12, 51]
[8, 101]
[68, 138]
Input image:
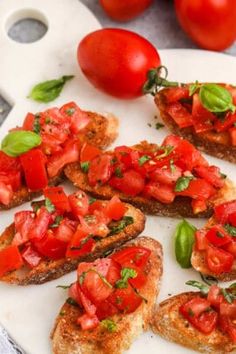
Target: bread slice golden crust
[53, 269]
[67, 337]
[180, 207]
[170, 324]
[217, 149]
[101, 132]
[198, 261]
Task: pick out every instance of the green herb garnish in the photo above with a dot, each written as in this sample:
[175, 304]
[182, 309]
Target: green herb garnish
[109, 325]
[202, 287]
[36, 125]
[182, 183]
[57, 221]
[159, 125]
[118, 172]
[49, 206]
[126, 274]
[230, 229]
[143, 159]
[85, 166]
[125, 221]
[18, 142]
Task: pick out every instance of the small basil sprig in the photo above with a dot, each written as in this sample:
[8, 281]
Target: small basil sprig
[202, 287]
[48, 91]
[182, 183]
[18, 142]
[184, 240]
[126, 274]
[110, 325]
[215, 98]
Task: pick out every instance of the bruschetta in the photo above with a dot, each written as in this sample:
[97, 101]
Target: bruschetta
[203, 321]
[62, 133]
[173, 179]
[204, 114]
[214, 251]
[44, 243]
[109, 320]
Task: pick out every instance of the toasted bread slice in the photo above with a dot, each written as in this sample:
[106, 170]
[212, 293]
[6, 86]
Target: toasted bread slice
[67, 336]
[181, 206]
[101, 132]
[170, 324]
[199, 263]
[53, 269]
[217, 149]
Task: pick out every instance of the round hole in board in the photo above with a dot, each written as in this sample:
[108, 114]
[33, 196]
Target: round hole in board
[26, 26]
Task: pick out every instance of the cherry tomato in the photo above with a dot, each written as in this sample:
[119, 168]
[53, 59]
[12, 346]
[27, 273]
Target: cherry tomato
[123, 10]
[116, 61]
[210, 23]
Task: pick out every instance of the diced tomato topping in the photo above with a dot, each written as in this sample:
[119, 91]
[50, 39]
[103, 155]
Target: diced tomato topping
[100, 170]
[31, 256]
[202, 118]
[65, 230]
[176, 93]
[131, 183]
[115, 209]
[227, 326]
[227, 309]
[218, 260]
[211, 174]
[79, 203]
[180, 114]
[88, 306]
[6, 193]
[28, 123]
[139, 280]
[125, 300]
[10, 260]
[232, 219]
[50, 246]
[198, 205]
[106, 310]
[23, 221]
[198, 189]
[33, 163]
[40, 225]
[127, 156]
[11, 178]
[88, 322]
[79, 119]
[231, 247]
[80, 244]
[161, 192]
[134, 255]
[189, 156]
[224, 210]
[215, 297]
[218, 236]
[166, 175]
[74, 293]
[199, 313]
[69, 154]
[58, 198]
[201, 240]
[232, 133]
[226, 123]
[172, 140]
[88, 152]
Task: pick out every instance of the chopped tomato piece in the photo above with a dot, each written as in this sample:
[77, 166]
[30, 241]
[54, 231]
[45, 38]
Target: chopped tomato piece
[40, 225]
[218, 260]
[201, 240]
[95, 224]
[188, 156]
[6, 193]
[125, 300]
[161, 192]
[140, 280]
[58, 198]
[198, 189]
[10, 259]
[180, 114]
[115, 209]
[33, 163]
[23, 221]
[31, 256]
[74, 292]
[69, 154]
[79, 203]
[88, 152]
[227, 309]
[231, 247]
[172, 140]
[84, 301]
[224, 210]
[88, 322]
[54, 124]
[29, 122]
[232, 133]
[228, 327]
[8, 163]
[198, 205]
[166, 175]
[11, 178]
[127, 156]
[199, 313]
[232, 219]
[98, 205]
[131, 183]
[226, 123]
[215, 296]
[211, 174]
[106, 310]
[174, 94]
[137, 256]
[80, 244]
[218, 236]
[79, 119]
[100, 169]
[50, 246]
[65, 230]
[202, 118]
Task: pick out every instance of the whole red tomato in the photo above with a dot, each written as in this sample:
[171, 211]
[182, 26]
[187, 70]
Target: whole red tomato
[210, 23]
[124, 10]
[116, 61]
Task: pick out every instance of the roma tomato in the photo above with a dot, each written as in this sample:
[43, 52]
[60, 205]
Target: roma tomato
[124, 10]
[116, 61]
[210, 23]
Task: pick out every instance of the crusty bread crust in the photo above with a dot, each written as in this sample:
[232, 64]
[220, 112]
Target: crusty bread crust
[216, 149]
[170, 324]
[67, 336]
[198, 261]
[101, 132]
[180, 207]
[49, 269]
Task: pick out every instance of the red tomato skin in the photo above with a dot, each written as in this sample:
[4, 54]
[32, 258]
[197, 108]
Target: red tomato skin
[210, 23]
[124, 10]
[10, 259]
[218, 236]
[137, 256]
[88, 152]
[58, 198]
[100, 169]
[76, 242]
[223, 211]
[132, 183]
[88, 322]
[31, 257]
[51, 247]
[115, 209]
[79, 203]
[116, 61]
[218, 260]
[162, 192]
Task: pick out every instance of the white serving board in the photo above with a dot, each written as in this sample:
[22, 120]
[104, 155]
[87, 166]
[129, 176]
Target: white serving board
[28, 313]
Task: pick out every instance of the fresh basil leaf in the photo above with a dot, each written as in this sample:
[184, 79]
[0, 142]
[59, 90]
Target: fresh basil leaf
[230, 229]
[125, 221]
[193, 88]
[118, 172]
[48, 91]
[159, 126]
[92, 200]
[182, 183]
[18, 142]
[228, 296]
[85, 166]
[216, 98]
[184, 240]
[110, 325]
[126, 274]
[202, 287]
[57, 221]
[166, 151]
[143, 159]
[49, 206]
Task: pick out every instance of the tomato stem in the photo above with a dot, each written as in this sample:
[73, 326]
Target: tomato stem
[155, 81]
